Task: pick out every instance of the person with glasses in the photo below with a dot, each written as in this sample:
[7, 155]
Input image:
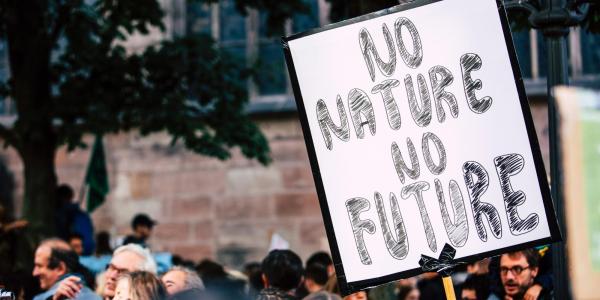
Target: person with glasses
[518, 271]
[126, 259]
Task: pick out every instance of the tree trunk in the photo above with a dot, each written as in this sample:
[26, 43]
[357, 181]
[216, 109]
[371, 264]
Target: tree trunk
[29, 47]
[39, 201]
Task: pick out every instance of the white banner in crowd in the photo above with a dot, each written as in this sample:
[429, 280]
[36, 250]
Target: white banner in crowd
[419, 134]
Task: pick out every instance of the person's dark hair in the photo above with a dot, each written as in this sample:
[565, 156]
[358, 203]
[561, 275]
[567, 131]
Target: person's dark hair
[317, 272]
[531, 255]
[142, 220]
[64, 194]
[74, 235]
[283, 269]
[68, 257]
[320, 257]
[103, 243]
[72, 265]
[176, 260]
[404, 290]
[208, 269]
[478, 283]
[254, 273]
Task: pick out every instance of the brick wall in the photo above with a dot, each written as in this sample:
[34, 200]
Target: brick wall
[205, 207]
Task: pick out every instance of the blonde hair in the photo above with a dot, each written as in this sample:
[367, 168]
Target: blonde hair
[144, 286]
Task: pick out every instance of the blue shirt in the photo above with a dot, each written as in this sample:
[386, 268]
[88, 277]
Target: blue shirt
[84, 294]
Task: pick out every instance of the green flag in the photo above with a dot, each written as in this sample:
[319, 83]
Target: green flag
[96, 177]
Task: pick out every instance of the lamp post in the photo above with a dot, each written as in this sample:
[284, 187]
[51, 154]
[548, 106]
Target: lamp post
[553, 18]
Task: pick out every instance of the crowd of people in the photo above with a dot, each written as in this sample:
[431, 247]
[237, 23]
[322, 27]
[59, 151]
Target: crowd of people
[132, 273]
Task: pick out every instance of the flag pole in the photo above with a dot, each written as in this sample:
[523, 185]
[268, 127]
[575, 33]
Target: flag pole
[81, 196]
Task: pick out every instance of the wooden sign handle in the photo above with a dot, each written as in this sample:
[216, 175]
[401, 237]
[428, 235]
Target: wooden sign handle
[449, 288]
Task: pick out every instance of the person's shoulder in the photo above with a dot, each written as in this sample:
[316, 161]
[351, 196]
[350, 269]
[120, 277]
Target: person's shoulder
[132, 239]
[191, 294]
[87, 294]
[322, 295]
[273, 294]
[129, 239]
[47, 294]
[493, 297]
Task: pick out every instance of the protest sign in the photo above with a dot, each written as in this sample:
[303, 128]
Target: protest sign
[419, 134]
[580, 131]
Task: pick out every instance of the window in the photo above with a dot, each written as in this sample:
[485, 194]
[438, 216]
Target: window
[247, 38]
[271, 78]
[583, 51]
[542, 54]
[590, 52]
[523, 49]
[530, 47]
[198, 18]
[232, 29]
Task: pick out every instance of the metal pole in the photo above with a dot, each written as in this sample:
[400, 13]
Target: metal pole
[554, 17]
[556, 34]
[557, 75]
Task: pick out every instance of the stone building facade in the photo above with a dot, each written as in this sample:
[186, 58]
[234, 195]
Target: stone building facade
[206, 208]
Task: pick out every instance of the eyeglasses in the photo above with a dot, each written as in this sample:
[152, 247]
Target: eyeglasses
[113, 268]
[516, 270]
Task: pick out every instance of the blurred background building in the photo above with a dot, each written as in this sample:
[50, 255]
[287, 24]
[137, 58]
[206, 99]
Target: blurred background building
[229, 210]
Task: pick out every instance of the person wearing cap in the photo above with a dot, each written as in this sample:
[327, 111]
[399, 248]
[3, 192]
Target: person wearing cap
[142, 226]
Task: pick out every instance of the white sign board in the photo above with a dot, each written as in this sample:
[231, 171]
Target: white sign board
[419, 134]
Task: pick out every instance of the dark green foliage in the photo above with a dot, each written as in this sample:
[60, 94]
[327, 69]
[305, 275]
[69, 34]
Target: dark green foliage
[70, 76]
[186, 86]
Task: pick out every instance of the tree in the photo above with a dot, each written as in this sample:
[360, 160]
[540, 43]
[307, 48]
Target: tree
[70, 77]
